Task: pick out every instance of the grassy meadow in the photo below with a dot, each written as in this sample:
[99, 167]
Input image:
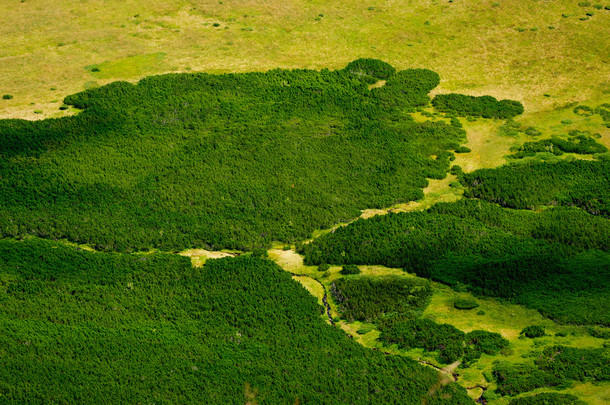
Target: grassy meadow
[503, 48]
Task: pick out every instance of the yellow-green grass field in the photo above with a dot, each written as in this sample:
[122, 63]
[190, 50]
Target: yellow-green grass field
[505, 48]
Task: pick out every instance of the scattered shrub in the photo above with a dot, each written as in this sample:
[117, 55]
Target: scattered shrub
[463, 149]
[533, 331]
[349, 269]
[324, 267]
[484, 106]
[465, 303]
[7, 97]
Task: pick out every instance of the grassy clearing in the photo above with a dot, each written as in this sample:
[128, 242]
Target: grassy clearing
[200, 256]
[47, 45]
[492, 315]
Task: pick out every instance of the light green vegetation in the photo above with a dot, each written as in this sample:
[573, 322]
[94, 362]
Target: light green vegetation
[129, 67]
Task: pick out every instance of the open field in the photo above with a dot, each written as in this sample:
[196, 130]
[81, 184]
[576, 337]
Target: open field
[506, 48]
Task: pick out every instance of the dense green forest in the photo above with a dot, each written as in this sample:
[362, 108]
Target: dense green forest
[372, 298]
[584, 184]
[556, 365]
[451, 343]
[577, 142]
[221, 161]
[535, 259]
[78, 326]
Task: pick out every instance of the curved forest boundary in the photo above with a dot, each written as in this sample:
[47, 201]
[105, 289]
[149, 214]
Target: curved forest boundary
[222, 161]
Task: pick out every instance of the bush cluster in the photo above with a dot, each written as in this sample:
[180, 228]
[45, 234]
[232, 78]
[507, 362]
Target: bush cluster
[451, 343]
[484, 106]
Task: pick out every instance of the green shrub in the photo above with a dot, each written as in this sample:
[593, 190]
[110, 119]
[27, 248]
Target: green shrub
[7, 97]
[371, 299]
[374, 68]
[465, 303]
[324, 267]
[484, 106]
[463, 149]
[347, 145]
[349, 269]
[533, 331]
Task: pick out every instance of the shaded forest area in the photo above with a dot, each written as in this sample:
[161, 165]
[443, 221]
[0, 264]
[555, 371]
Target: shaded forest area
[556, 261]
[88, 327]
[222, 161]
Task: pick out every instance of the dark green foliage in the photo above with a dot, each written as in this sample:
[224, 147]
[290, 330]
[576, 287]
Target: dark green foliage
[373, 298]
[579, 183]
[428, 335]
[371, 70]
[533, 331]
[540, 260]
[324, 267]
[465, 304]
[484, 106]
[572, 363]
[560, 224]
[579, 143]
[463, 149]
[584, 110]
[604, 111]
[82, 327]
[547, 398]
[349, 269]
[451, 343]
[7, 97]
[220, 161]
[480, 342]
[599, 332]
[408, 89]
[515, 379]
[555, 366]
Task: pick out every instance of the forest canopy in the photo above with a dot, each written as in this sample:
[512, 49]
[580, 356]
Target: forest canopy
[124, 328]
[222, 161]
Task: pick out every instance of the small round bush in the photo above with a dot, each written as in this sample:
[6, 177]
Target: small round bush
[63, 107]
[350, 269]
[324, 267]
[371, 67]
[7, 97]
[260, 253]
[533, 331]
[465, 303]
[463, 149]
[287, 247]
